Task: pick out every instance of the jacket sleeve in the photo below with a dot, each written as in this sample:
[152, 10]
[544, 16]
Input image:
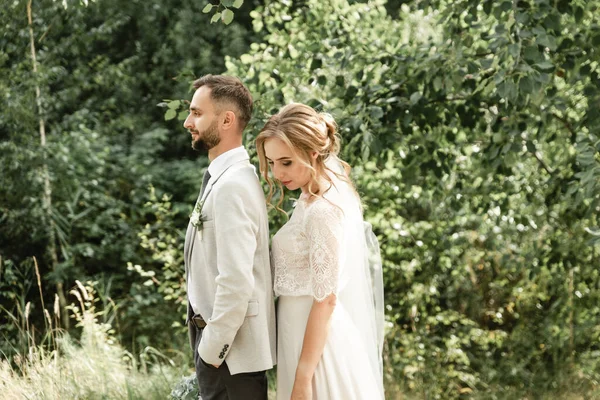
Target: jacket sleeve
[236, 228]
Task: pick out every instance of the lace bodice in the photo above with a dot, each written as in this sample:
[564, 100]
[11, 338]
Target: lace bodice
[306, 251]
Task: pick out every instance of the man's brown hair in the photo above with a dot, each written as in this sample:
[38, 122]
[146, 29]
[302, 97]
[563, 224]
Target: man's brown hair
[229, 89]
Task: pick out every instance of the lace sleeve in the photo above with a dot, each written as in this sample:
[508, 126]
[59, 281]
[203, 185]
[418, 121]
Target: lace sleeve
[324, 230]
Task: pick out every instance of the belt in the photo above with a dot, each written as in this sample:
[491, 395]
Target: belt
[198, 322]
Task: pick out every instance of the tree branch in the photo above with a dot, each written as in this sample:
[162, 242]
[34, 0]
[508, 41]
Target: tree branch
[549, 170]
[47, 195]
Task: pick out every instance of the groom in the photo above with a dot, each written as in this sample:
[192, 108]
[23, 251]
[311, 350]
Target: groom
[231, 315]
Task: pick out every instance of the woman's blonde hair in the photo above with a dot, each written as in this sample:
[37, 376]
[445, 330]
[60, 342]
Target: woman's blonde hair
[304, 131]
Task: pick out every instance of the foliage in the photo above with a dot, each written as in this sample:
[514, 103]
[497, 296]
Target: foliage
[95, 367]
[473, 129]
[466, 126]
[223, 11]
[163, 239]
[186, 389]
[102, 69]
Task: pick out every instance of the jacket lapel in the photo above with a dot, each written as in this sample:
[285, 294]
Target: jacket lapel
[239, 157]
[191, 229]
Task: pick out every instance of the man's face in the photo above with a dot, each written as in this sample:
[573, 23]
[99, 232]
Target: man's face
[202, 121]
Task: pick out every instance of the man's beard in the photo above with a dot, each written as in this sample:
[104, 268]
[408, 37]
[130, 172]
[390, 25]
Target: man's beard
[207, 139]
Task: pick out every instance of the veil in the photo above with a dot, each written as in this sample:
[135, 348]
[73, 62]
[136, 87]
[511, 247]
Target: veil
[360, 275]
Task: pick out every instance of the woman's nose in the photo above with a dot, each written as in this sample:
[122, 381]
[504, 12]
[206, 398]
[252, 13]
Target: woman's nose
[276, 173]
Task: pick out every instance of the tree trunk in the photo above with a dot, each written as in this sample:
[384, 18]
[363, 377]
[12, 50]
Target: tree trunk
[47, 195]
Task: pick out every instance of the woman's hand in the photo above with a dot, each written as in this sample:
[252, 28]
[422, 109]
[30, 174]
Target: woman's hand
[302, 391]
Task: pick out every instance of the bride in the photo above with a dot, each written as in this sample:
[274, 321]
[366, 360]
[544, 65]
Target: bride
[330, 308]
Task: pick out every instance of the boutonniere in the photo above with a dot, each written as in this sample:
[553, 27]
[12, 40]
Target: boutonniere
[196, 217]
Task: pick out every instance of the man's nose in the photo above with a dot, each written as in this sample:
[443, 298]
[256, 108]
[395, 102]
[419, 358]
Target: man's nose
[187, 124]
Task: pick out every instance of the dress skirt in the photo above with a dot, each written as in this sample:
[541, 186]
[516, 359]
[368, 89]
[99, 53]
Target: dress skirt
[343, 373]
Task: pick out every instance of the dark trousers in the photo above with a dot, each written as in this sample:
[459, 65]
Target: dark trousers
[219, 384]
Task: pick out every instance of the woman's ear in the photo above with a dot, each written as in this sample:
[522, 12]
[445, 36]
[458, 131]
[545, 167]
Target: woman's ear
[314, 155]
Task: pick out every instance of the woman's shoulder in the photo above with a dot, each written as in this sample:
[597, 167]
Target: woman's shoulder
[321, 209]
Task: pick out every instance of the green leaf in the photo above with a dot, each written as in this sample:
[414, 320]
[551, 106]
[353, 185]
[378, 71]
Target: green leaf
[366, 151]
[546, 40]
[376, 112]
[246, 59]
[552, 22]
[506, 89]
[227, 16]
[513, 50]
[174, 104]
[182, 115]
[506, 6]
[486, 63]
[578, 14]
[487, 6]
[207, 8]
[530, 146]
[415, 97]
[215, 18]
[237, 3]
[526, 84]
[531, 53]
[522, 18]
[525, 34]
[293, 52]
[437, 83]
[227, 3]
[170, 114]
[351, 93]
[545, 66]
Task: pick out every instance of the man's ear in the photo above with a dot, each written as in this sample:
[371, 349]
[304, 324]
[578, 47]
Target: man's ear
[228, 119]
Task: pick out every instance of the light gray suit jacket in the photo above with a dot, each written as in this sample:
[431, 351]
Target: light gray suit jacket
[228, 269]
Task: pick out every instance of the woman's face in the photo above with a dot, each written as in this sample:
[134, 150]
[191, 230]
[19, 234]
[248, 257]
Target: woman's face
[286, 167]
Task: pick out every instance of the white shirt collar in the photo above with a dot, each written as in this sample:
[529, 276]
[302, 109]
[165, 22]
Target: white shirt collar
[225, 160]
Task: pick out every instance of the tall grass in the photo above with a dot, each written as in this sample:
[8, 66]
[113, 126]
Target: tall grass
[55, 365]
[93, 367]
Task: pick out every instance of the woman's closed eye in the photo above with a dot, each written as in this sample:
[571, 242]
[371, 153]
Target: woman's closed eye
[286, 163]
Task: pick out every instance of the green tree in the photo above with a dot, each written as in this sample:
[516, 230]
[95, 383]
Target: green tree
[101, 71]
[467, 125]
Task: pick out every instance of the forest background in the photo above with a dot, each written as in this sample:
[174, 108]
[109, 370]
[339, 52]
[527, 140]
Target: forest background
[473, 128]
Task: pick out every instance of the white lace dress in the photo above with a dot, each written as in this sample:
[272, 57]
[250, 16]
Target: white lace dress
[308, 253]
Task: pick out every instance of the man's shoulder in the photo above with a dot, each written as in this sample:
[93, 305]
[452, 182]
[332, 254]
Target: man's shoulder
[240, 178]
[240, 167]
[242, 173]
